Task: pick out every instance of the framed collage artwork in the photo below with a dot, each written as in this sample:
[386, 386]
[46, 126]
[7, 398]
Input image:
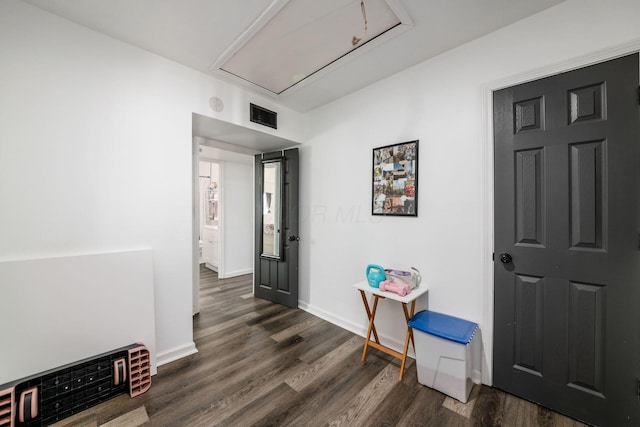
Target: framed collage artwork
[395, 180]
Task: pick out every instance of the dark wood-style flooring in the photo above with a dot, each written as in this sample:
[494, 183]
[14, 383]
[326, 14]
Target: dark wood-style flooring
[263, 364]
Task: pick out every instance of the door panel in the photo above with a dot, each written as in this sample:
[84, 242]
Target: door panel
[587, 186]
[276, 279]
[567, 332]
[530, 197]
[529, 316]
[586, 338]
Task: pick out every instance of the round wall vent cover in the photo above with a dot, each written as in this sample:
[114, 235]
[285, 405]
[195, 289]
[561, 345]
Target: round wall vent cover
[216, 104]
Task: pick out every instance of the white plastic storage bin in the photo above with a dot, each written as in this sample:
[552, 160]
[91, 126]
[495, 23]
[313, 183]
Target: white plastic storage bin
[444, 352]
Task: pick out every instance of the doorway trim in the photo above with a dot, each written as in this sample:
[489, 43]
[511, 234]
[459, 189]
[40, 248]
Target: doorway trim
[488, 182]
[195, 226]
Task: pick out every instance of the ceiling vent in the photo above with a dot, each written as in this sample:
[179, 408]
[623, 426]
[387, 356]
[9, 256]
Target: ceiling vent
[263, 116]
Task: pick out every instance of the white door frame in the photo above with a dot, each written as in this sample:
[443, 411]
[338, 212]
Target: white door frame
[488, 184]
[195, 226]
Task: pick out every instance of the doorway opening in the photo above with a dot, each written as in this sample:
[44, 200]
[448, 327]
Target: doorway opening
[233, 148]
[210, 208]
[222, 217]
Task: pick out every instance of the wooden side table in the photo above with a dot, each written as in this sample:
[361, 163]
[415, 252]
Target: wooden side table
[364, 288]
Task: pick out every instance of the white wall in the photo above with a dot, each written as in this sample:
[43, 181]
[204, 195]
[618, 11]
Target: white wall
[442, 103]
[238, 222]
[57, 307]
[96, 153]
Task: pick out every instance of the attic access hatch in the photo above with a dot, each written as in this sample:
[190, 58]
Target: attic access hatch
[297, 41]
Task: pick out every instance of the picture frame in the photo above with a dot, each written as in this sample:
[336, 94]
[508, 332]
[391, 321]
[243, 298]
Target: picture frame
[394, 190]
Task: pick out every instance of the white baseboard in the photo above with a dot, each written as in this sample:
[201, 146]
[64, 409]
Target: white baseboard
[358, 329]
[476, 376]
[176, 353]
[236, 273]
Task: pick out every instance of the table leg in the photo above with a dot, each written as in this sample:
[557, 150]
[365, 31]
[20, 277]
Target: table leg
[366, 307]
[371, 327]
[408, 315]
[409, 337]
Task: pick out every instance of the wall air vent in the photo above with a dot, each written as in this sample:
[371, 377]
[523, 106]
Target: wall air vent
[263, 116]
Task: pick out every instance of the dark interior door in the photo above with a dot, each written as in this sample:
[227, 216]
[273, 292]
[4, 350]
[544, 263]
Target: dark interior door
[276, 276]
[567, 264]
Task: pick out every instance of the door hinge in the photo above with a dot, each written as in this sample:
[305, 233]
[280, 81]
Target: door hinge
[638, 390]
[638, 94]
[493, 256]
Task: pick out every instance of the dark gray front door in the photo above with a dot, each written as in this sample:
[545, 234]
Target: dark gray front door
[567, 258]
[276, 264]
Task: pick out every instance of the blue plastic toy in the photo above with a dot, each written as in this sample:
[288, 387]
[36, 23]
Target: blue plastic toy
[375, 275]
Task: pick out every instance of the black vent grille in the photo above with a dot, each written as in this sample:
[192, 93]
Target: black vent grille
[263, 116]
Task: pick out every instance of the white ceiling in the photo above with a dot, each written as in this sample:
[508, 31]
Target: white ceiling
[197, 33]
